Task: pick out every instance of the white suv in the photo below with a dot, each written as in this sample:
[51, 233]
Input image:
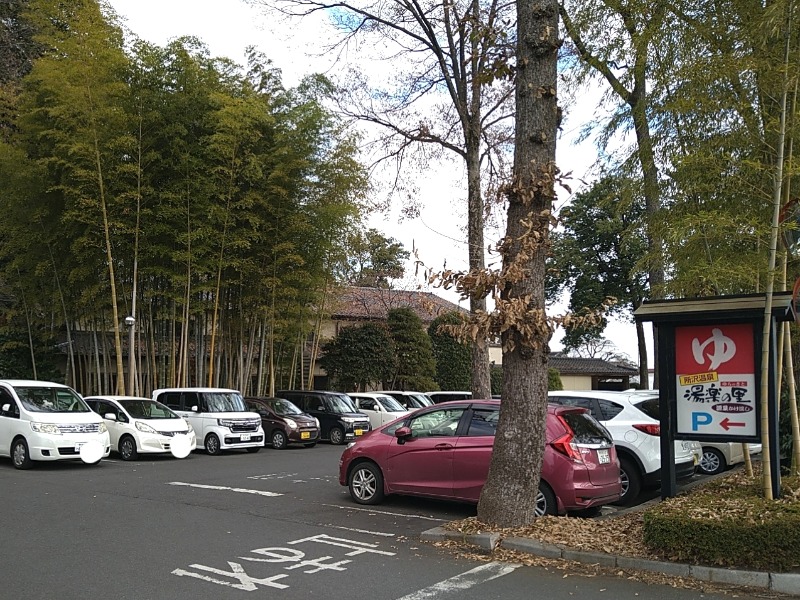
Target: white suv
[632, 418]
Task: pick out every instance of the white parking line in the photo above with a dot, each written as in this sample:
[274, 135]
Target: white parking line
[225, 488]
[383, 512]
[367, 531]
[464, 581]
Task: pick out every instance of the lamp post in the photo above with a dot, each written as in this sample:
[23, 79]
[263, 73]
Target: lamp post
[130, 322]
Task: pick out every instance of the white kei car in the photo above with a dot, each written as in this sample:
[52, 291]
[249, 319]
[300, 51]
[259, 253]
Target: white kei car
[379, 407]
[142, 425]
[632, 418]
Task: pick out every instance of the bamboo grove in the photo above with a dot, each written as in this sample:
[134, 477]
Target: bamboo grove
[197, 196]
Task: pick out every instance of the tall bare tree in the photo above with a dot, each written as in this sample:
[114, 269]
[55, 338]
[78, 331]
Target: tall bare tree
[449, 91]
[509, 497]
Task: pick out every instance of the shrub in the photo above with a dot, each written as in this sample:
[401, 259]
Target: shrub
[729, 524]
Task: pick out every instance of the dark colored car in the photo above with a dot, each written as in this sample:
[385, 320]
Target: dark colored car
[448, 396]
[284, 423]
[339, 421]
[444, 452]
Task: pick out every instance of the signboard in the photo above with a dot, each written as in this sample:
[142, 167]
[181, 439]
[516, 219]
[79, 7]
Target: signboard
[716, 382]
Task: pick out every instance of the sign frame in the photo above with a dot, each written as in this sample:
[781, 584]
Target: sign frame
[754, 419]
[667, 315]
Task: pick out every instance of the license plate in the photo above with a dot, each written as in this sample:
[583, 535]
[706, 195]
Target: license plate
[358, 431]
[245, 437]
[304, 435]
[78, 446]
[603, 457]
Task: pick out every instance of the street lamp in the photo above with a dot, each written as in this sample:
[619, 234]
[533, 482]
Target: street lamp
[130, 323]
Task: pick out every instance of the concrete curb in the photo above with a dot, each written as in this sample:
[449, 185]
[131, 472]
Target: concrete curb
[786, 583]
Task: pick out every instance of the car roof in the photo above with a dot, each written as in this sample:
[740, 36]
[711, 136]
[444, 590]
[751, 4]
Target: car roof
[196, 389]
[322, 392]
[465, 402]
[626, 396]
[32, 383]
[119, 398]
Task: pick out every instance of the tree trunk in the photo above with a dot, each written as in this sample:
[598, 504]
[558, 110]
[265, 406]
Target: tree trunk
[509, 497]
[481, 382]
[644, 372]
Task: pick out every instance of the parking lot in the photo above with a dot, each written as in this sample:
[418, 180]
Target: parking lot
[208, 525]
[275, 523]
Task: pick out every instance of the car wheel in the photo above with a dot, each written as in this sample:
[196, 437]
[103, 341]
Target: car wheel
[366, 483]
[279, 440]
[712, 462]
[213, 447]
[311, 445]
[254, 449]
[127, 448]
[20, 455]
[631, 481]
[337, 436]
[545, 501]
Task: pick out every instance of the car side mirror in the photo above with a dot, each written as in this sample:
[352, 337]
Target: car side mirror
[195, 408]
[401, 433]
[263, 412]
[110, 416]
[6, 408]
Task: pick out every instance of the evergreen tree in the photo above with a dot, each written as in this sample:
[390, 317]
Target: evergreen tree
[359, 357]
[452, 357]
[415, 364]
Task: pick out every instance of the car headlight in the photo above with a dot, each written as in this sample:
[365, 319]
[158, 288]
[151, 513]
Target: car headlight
[350, 420]
[190, 428]
[102, 428]
[144, 427]
[350, 445]
[316, 420]
[45, 428]
[291, 424]
[226, 423]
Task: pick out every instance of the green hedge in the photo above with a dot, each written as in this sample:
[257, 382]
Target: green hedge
[729, 524]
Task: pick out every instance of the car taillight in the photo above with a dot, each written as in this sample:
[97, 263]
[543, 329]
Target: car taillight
[649, 429]
[565, 445]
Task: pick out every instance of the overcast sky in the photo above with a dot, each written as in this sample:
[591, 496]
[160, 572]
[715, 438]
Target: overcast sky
[229, 26]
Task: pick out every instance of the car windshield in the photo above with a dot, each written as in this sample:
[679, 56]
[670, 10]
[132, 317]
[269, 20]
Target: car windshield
[147, 409]
[422, 399]
[341, 404]
[650, 407]
[284, 407]
[224, 402]
[390, 404]
[51, 399]
[586, 429]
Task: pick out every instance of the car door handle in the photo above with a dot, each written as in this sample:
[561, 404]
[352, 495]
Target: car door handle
[443, 446]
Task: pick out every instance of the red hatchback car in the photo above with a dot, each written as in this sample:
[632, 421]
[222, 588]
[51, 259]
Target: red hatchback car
[443, 451]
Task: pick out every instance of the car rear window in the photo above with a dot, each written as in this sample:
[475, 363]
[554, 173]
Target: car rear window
[650, 407]
[609, 409]
[585, 429]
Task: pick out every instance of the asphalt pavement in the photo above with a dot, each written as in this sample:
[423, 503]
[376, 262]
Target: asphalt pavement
[272, 524]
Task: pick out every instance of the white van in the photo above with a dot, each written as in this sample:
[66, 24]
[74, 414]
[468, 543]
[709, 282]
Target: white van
[219, 417]
[40, 420]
